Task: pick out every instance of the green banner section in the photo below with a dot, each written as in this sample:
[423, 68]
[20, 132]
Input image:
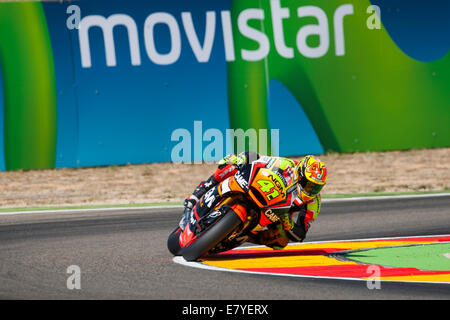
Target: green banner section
[29, 87]
[358, 88]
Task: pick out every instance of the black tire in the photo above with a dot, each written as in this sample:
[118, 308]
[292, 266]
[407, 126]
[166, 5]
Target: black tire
[173, 244]
[211, 237]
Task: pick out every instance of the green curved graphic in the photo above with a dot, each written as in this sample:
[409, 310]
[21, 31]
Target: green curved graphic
[28, 75]
[374, 97]
[423, 257]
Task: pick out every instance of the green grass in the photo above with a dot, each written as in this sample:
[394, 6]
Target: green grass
[125, 205]
[179, 203]
[378, 194]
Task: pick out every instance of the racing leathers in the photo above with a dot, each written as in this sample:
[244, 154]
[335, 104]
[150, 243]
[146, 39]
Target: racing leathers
[289, 221]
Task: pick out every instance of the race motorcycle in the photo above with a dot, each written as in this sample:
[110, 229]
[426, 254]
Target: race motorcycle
[234, 211]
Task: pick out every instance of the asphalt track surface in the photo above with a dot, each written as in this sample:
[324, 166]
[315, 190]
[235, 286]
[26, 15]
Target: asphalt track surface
[123, 255]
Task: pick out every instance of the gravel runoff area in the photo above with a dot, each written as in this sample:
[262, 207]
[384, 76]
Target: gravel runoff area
[368, 172]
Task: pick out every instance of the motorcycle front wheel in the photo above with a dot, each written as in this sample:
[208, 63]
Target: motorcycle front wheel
[211, 237]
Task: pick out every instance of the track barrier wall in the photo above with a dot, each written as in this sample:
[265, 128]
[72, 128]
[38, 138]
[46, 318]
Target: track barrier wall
[96, 82]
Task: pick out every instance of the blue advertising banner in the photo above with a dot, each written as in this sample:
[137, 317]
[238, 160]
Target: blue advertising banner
[119, 82]
[117, 105]
[120, 98]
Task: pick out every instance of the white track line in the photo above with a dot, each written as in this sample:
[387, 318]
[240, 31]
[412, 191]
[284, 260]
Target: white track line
[406, 196]
[200, 265]
[80, 210]
[119, 209]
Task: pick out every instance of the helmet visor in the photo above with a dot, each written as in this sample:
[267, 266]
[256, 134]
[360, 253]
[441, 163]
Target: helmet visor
[310, 188]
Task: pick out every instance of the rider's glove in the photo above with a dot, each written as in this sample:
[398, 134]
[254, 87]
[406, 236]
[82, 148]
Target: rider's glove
[236, 160]
[190, 202]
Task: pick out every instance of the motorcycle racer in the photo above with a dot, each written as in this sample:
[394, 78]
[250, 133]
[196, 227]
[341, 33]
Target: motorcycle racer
[286, 221]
